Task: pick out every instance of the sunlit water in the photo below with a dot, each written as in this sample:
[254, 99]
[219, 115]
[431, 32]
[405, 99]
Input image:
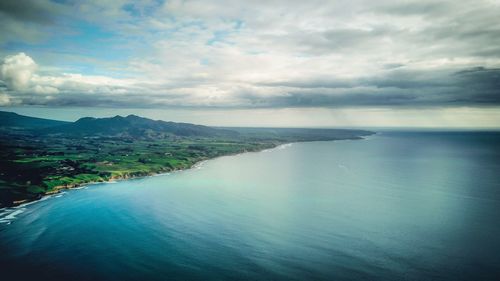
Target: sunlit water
[398, 206]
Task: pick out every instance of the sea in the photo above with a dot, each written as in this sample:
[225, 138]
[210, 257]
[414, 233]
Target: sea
[397, 205]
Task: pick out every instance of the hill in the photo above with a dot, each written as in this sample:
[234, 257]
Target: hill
[16, 121]
[134, 126]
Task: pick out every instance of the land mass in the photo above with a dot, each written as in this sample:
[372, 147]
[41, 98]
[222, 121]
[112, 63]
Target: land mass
[41, 156]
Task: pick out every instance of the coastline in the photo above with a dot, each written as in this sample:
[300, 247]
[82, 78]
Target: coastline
[113, 179]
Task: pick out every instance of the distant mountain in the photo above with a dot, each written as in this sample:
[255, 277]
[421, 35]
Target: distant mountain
[135, 127]
[14, 120]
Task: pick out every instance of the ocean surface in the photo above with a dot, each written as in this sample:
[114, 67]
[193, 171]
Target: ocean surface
[396, 206]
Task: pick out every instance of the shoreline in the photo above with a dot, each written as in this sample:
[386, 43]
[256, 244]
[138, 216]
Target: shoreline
[59, 189]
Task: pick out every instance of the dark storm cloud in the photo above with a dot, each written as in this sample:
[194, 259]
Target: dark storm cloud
[28, 21]
[477, 86]
[37, 11]
[332, 99]
[73, 99]
[480, 85]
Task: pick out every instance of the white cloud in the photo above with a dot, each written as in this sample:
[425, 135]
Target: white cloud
[16, 71]
[24, 85]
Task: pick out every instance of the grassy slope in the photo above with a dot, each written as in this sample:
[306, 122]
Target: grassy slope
[34, 166]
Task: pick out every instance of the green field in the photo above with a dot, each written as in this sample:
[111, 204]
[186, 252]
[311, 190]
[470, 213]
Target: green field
[32, 167]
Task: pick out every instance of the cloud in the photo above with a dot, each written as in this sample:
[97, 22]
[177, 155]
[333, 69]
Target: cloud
[27, 21]
[261, 54]
[4, 99]
[16, 71]
[38, 11]
[393, 87]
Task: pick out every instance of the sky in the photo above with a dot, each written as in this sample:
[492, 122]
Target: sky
[255, 63]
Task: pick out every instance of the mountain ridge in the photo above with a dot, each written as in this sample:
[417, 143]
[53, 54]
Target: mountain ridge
[130, 126]
[135, 126]
[14, 120]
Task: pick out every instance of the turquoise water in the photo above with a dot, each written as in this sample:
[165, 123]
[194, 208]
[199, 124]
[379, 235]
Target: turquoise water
[397, 206]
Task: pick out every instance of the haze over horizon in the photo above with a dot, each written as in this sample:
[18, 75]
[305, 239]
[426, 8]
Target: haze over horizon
[259, 63]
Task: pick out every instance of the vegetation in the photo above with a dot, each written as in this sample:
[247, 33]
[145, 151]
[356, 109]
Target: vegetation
[35, 160]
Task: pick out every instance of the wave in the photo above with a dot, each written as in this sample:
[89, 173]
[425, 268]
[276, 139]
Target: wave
[10, 214]
[372, 136]
[199, 165]
[279, 147]
[160, 175]
[283, 146]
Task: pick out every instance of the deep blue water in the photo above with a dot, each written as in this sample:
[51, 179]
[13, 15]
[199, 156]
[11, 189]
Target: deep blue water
[397, 206]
